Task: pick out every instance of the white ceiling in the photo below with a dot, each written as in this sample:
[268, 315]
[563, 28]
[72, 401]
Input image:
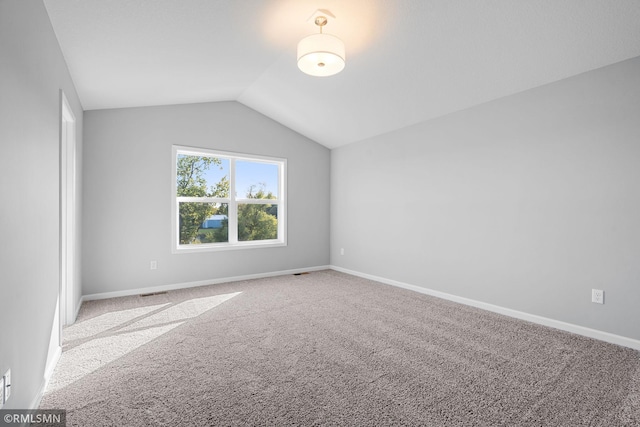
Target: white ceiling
[407, 60]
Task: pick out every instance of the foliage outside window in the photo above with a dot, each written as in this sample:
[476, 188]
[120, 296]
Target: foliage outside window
[227, 201]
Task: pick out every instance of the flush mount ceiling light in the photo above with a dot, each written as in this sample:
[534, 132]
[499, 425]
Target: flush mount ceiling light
[321, 54]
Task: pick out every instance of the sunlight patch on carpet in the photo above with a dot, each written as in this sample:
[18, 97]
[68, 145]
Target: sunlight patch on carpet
[84, 359]
[181, 311]
[105, 321]
[111, 342]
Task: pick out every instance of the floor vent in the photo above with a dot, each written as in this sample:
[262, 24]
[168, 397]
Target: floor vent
[153, 293]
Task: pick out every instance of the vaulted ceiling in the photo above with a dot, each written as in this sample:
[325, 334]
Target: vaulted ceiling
[407, 60]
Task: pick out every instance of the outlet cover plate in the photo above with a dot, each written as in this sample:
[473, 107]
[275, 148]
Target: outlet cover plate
[7, 385]
[597, 296]
[1, 392]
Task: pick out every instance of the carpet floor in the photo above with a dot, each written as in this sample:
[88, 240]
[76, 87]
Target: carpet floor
[329, 348]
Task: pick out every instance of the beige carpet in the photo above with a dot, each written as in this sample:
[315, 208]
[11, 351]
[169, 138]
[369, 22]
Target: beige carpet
[331, 349]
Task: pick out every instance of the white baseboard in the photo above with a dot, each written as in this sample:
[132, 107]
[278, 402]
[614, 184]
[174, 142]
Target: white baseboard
[545, 321]
[48, 372]
[185, 285]
[51, 366]
[78, 305]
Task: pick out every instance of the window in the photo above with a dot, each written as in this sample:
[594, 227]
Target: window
[226, 200]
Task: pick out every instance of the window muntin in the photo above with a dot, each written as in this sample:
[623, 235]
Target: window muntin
[207, 217]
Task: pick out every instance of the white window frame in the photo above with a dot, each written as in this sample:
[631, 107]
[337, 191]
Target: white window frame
[233, 201]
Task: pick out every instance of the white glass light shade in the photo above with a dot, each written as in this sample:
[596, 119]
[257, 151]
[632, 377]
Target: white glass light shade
[321, 55]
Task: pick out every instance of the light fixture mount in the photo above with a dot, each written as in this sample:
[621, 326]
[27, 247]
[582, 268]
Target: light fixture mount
[321, 54]
[321, 21]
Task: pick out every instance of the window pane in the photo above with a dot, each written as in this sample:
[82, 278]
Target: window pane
[204, 207]
[256, 180]
[257, 222]
[202, 176]
[203, 223]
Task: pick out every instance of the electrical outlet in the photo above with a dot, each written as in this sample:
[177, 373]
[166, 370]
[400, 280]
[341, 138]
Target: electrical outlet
[153, 265]
[597, 296]
[341, 251]
[1, 392]
[7, 385]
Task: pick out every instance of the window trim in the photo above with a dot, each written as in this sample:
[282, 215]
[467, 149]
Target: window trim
[233, 202]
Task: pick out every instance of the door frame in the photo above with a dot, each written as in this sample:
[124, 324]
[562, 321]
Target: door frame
[68, 213]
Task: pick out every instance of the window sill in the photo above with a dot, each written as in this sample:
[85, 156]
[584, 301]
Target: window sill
[218, 247]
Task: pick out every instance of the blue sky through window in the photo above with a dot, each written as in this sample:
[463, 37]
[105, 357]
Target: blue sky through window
[247, 174]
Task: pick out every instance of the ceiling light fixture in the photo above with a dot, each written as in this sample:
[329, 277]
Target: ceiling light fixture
[321, 54]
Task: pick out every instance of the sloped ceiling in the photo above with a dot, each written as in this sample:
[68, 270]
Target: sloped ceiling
[407, 60]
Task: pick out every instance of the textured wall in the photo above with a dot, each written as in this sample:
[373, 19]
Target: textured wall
[527, 202]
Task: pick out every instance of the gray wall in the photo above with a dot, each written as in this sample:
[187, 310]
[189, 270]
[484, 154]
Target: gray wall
[527, 202]
[32, 72]
[127, 194]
